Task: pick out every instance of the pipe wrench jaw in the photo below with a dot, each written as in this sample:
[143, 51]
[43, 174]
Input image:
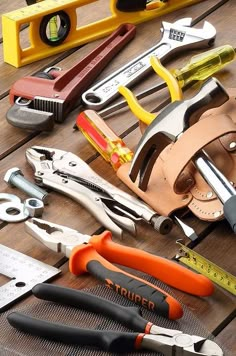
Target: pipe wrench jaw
[22, 114]
[169, 124]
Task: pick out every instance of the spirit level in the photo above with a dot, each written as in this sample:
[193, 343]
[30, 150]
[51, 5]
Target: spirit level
[69, 35]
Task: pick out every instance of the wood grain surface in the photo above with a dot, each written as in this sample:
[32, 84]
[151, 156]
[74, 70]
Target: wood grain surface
[217, 242]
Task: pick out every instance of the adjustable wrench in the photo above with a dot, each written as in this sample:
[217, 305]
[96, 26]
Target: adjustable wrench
[37, 101]
[176, 37]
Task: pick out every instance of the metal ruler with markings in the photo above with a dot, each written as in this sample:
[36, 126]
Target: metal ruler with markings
[23, 272]
[209, 269]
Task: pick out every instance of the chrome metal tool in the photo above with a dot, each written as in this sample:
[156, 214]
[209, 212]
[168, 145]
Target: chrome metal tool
[24, 273]
[177, 36]
[67, 173]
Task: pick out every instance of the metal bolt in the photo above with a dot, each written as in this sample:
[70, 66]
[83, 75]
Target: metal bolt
[15, 178]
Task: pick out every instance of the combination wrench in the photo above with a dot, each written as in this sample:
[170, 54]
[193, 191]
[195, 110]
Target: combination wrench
[176, 37]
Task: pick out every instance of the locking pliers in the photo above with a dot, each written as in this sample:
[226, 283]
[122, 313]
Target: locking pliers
[116, 210]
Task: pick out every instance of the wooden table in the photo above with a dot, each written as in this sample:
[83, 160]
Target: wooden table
[216, 313]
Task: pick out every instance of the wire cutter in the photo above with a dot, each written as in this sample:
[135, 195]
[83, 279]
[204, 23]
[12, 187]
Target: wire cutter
[170, 342]
[67, 173]
[92, 253]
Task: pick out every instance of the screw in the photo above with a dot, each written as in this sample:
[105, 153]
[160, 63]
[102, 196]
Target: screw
[15, 178]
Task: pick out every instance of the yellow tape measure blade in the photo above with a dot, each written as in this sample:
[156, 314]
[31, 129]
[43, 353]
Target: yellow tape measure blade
[209, 269]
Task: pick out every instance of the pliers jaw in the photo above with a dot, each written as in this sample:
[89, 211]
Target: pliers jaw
[40, 159]
[56, 237]
[181, 345]
[67, 173]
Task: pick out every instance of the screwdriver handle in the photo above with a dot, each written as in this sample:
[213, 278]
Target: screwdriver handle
[111, 147]
[204, 65]
[167, 271]
[84, 258]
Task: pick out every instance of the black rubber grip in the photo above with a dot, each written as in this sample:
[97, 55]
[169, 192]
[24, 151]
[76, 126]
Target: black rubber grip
[106, 340]
[30, 119]
[230, 212]
[31, 2]
[131, 5]
[128, 316]
[131, 288]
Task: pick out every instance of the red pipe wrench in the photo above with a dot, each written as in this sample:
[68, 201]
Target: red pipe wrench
[37, 101]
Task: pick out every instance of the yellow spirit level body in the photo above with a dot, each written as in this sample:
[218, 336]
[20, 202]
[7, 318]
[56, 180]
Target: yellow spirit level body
[33, 15]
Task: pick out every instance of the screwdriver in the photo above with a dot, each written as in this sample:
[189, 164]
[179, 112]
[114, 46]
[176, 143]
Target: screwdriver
[200, 67]
[111, 147]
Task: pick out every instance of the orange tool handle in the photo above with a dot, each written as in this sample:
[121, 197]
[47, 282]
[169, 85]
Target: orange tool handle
[168, 271]
[110, 146]
[84, 258]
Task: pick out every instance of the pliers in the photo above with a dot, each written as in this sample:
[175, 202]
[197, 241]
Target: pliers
[92, 253]
[170, 342]
[65, 172]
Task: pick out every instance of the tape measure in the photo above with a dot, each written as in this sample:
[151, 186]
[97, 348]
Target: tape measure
[200, 264]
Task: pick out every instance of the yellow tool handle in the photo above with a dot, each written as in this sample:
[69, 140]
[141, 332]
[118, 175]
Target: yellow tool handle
[203, 65]
[103, 139]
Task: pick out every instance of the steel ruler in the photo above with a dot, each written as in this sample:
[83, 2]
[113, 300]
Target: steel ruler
[24, 273]
[209, 269]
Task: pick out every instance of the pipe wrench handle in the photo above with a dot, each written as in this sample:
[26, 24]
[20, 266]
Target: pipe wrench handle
[84, 258]
[59, 92]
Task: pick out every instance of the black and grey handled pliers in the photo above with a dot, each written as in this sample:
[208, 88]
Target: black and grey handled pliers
[65, 172]
[170, 342]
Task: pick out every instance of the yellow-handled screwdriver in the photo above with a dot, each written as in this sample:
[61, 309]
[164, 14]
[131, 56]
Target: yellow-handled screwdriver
[200, 67]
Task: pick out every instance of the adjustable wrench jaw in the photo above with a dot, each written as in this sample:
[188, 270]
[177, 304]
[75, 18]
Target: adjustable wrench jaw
[176, 37]
[169, 124]
[180, 35]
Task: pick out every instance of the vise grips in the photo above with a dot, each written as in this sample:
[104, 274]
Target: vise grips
[176, 37]
[37, 101]
[67, 173]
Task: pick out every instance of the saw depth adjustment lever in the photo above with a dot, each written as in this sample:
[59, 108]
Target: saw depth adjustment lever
[37, 101]
[171, 123]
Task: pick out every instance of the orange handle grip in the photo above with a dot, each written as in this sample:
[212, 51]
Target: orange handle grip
[168, 271]
[84, 258]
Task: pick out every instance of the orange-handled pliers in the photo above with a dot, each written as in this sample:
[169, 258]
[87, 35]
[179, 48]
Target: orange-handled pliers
[92, 253]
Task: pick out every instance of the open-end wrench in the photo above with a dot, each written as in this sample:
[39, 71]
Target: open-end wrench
[37, 101]
[176, 37]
